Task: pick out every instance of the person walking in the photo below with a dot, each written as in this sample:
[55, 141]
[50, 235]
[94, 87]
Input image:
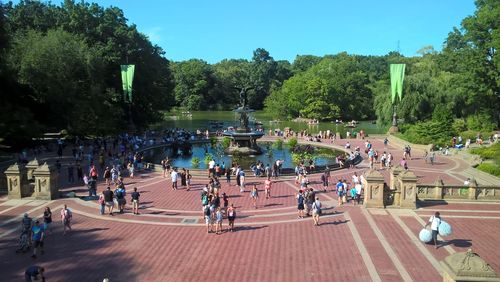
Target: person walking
[32, 272]
[325, 178]
[231, 216]
[66, 217]
[434, 222]
[208, 218]
[183, 177]
[316, 210]
[135, 201]
[228, 176]
[71, 175]
[107, 175]
[47, 219]
[37, 239]
[242, 181]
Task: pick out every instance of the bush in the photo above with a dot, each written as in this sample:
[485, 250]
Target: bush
[226, 142]
[480, 122]
[292, 142]
[208, 158]
[213, 141]
[490, 168]
[195, 162]
[491, 152]
[428, 132]
[459, 125]
[278, 144]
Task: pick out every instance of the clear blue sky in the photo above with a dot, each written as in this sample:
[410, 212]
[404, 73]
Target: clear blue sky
[216, 29]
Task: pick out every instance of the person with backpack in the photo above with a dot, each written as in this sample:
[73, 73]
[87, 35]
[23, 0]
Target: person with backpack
[120, 198]
[434, 222]
[66, 217]
[108, 199]
[300, 204]
[316, 210]
[208, 218]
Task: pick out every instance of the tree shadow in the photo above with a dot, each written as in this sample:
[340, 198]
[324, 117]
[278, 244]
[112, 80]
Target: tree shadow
[248, 228]
[71, 257]
[336, 222]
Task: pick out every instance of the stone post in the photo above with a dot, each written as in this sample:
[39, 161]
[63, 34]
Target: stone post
[31, 166]
[473, 189]
[45, 183]
[394, 185]
[438, 189]
[338, 136]
[408, 187]
[467, 266]
[373, 185]
[17, 183]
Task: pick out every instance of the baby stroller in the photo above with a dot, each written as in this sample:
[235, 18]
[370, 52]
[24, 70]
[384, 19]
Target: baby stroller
[24, 242]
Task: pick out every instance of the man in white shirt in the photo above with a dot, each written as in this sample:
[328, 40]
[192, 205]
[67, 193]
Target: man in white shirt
[174, 175]
[211, 167]
[434, 222]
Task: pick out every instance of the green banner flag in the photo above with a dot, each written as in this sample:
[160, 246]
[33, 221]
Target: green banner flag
[397, 77]
[127, 79]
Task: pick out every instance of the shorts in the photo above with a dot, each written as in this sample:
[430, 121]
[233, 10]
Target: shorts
[325, 183]
[37, 243]
[300, 207]
[135, 203]
[110, 204]
[230, 218]
[208, 219]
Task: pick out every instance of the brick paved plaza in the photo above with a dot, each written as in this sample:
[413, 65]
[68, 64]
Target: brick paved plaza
[168, 240]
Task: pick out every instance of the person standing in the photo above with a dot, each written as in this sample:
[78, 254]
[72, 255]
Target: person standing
[218, 218]
[66, 217]
[32, 272]
[316, 210]
[267, 186]
[188, 180]
[102, 203]
[47, 219]
[208, 218]
[434, 222]
[135, 201]
[300, 204]
[228, 176]
[37, 239]
[255, 195]
[79, 171]
[174, 176]
[325, 178]
[183, 177]
[242, 181]
[231, 216]
[108, 199]
[107, 175]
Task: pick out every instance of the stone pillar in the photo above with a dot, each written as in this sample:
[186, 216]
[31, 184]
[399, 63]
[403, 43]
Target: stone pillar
[467, 266]
[338, 136]
[408, 187]
[394, 184]
[17, 183]
[373, 185]
[438, 189]
[473, 189]
[30, 167]
[45, 183]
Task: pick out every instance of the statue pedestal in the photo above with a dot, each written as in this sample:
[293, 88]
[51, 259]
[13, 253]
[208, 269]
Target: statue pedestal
[393, 129]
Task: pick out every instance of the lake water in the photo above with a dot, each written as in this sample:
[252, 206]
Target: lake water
[203, 119]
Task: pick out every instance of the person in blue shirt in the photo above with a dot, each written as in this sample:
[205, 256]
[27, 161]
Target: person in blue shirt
[37, 238]
[33, 272]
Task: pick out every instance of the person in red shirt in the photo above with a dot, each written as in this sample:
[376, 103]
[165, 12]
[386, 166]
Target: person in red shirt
[267, 186]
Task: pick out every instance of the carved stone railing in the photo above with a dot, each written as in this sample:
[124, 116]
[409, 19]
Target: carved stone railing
[440, 191]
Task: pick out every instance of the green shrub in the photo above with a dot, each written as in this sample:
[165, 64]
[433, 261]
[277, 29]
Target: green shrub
[278, 144]
[208, 157]
[491, 152]
[226, 142]
[195, 162]
[480, 122]
[292, 142]
[213, 141]
[459, 125]
[490, 168]
[428, 132]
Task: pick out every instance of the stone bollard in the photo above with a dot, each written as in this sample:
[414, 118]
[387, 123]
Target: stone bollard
[395, 171]
[17, 182]
[338, 136]
[374, 189]
[45, 183]
[467, 266]
[473, 189]
[438, 188]
[408, 188]
[31, 166]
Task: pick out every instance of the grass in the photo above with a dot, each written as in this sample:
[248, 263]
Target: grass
[491, 153]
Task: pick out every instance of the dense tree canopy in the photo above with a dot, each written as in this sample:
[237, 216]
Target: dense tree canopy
[60, 69]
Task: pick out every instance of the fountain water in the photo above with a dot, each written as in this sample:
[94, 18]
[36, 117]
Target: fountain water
[243, 139]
